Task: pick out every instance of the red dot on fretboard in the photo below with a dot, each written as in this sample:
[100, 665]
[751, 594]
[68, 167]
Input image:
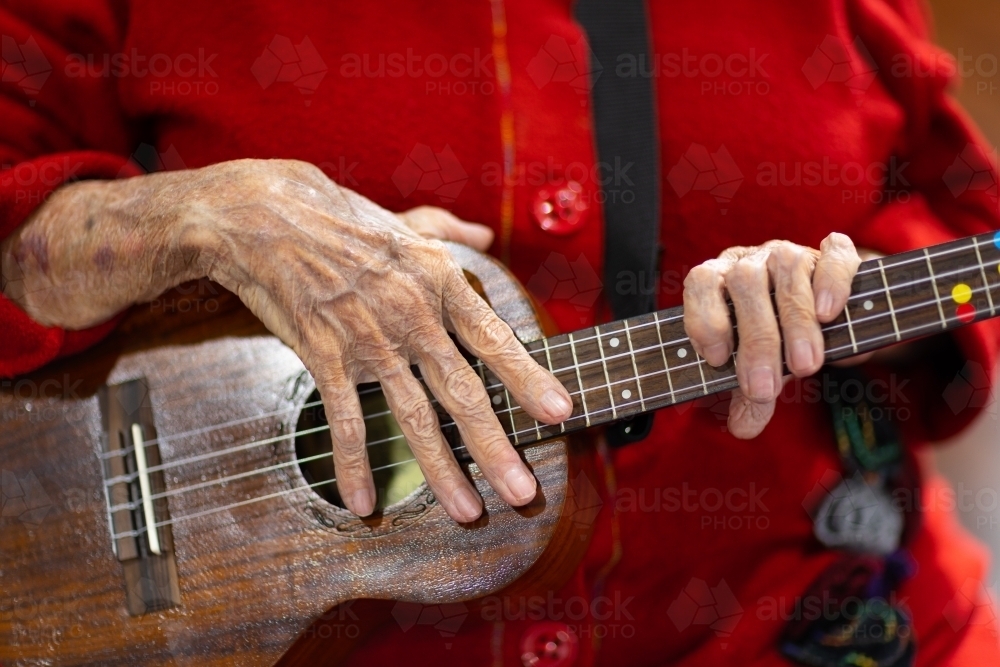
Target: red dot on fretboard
[966, 312]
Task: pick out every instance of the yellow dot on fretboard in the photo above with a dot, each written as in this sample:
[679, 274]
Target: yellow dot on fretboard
[961, 293]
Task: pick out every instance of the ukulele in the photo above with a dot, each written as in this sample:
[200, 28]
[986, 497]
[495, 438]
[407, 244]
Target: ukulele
[169, 497]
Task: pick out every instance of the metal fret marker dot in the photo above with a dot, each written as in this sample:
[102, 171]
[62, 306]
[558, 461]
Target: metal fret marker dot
[497, 399]
[613, 342]
[682, 353]
[868, 304]
[626, 393]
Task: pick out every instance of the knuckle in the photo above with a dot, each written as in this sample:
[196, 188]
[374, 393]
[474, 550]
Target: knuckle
[383, 364]
[837, 240]
[745, 274]
[494, 451]
[787, 253]
[702, 274]
[349, 435]
[701, 279]
[760, 341]
[492, 335]
[350, 468]
[419, 418]
[465, 388]
[705, 329]
[439, 468]
[797, 311]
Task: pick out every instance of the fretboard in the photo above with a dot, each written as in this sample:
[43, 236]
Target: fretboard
[623, 368]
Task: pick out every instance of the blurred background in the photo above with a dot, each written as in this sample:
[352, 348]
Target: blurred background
[971, 28]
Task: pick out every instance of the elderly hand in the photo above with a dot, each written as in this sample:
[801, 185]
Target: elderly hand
[358, 292]
[810, 287]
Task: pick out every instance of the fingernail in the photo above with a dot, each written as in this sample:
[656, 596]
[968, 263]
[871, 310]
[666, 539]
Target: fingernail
[824, 304]
[716, 354]
[466, 504]
[802, 354]
[521, 484]
[556, 405]
[362, 502]
[761, 383]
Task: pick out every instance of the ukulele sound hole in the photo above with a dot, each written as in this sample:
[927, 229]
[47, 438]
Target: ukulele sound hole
[395, 472]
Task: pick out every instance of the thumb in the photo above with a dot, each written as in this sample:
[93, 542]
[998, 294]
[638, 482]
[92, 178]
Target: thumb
[436, 223]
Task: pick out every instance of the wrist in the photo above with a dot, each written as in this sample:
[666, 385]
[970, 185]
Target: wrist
[95, 248]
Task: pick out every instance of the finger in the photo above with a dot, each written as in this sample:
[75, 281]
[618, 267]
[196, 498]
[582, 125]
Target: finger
[791, 267]
[460, 390]
[758, 361]
[350, 454]
[835, 270]
[490, 339]
[437, 223]
[706, 314]
[748, 418]
[418, 421]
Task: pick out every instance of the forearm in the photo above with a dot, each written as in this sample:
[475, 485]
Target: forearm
[97, 247]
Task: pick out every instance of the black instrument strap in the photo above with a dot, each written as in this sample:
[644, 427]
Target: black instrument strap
[628, 149]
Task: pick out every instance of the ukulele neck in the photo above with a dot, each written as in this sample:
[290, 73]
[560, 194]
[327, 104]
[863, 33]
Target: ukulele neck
[624, 368]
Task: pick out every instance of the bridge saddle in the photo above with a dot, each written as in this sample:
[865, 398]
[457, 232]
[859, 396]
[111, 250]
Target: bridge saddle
[134, 488]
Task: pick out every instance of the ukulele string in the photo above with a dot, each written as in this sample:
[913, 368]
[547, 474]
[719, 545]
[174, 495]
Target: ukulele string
[673, 343]
[245, 446]
[478, 364]
[616, 406]
[256, 499]
[667, 320]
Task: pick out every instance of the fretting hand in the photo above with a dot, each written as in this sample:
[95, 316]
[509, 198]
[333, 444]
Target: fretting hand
[810, 287]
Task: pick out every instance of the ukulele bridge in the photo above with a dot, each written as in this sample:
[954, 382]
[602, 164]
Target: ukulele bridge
[134, 489]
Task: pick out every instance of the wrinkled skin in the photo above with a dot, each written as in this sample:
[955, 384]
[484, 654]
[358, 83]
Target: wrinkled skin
[360, 294]
[810, 287]
[355, 290]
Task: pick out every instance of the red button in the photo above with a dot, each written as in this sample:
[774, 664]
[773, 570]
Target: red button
[549, 645]
[560, 209]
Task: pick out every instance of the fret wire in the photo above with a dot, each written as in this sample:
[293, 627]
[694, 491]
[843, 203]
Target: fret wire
[850, 327]
[548, 357]
[635, 367]
[937, 294]
[607, 378]
[579, 379]
[663, 351]
[938, 254]
[701, 370]
[982, 270]
[727, 378]
[888, 298]
[513, 425]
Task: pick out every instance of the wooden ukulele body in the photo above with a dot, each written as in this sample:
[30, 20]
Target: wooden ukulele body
[258, 583]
